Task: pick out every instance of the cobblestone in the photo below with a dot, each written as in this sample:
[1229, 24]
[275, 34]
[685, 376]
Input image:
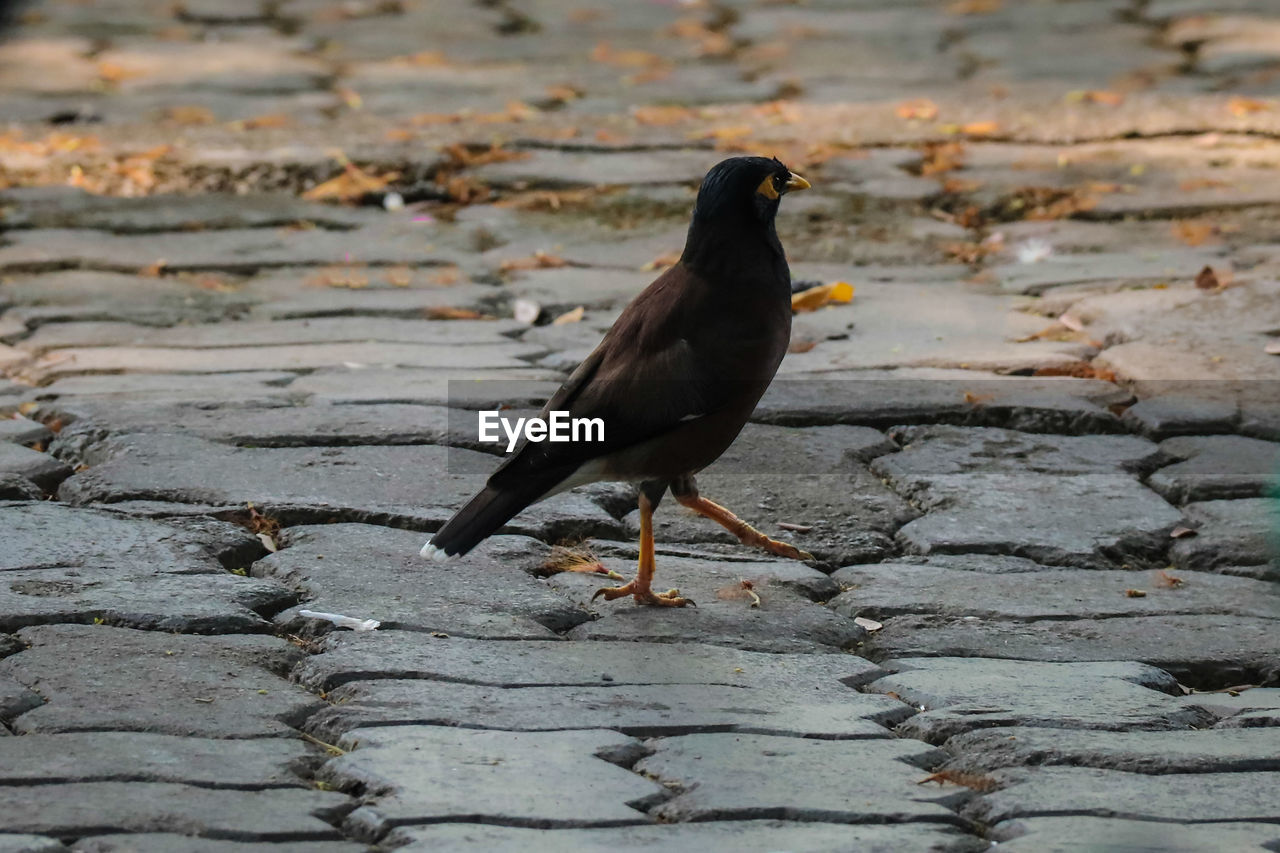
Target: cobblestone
[1034, 457]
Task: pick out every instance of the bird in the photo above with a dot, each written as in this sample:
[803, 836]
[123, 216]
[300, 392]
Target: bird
[674, 380]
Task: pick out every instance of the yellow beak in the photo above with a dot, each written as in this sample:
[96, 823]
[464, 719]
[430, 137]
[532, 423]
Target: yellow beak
[797, 183]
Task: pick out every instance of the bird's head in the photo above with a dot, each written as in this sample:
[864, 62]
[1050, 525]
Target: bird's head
[745, 188]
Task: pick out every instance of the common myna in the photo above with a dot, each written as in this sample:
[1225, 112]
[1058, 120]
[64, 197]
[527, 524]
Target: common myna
[674, 380]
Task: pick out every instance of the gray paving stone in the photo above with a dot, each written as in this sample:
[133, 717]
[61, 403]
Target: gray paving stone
[936, 451]
[787, 620]
[545, 779]
[888, 589]
[67, 207]
[748, 836]
[47, 535]
[140, 598]
[392, 654]
[418, 486]
[95, 677]
[229, 250]
[376, 572]
[13, 843]
[15, 699]
[886, 398]
[1205, 650]
[1114, 517]
[1159, 753]
[1081, 834]
[557, 169]
[1217, 467]
[16, 488]
[1264, 717]
[527, 386]
[741, 777]
[1051, 791]
[245, 387]
[1235, 537]
[83, 295]
[637, 710]
[89, 360]
[261, 333]
[165, 842]
[1162, 417]
[90, 808]
[959, 694]
[999, 491]
[40, 468]
[24, 431]
[139, 757]
[1234, 702]
[274, 426]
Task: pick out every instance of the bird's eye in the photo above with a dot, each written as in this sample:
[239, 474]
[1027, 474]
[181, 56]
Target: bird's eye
[779, 182]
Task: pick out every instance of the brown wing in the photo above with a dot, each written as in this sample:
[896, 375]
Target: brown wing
[643, 379]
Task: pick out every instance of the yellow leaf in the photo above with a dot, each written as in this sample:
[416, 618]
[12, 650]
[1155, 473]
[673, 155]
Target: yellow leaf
[824, 294]
[980, 128]
[574, 316]
[921, 108]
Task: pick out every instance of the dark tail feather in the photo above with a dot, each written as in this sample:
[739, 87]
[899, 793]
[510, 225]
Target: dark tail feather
[482, 516]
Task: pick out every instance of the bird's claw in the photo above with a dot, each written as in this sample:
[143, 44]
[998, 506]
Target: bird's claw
[783, 549]
[670, 598]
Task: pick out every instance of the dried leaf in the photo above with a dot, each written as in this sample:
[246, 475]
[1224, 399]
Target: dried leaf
[268, 542]
[190, 115]
[1168, 581]
[1078, 370]
[662, 115]
[795, 528]
[1192, 233]
[153, 270]
[582, 560]
[825, 294]
[666, 259]
[1238, 105]
[110, 72]
[1206, 279]
[1181, 532]
[1135, 593]
[352, 184]
[537, 261]
[868, 625]
[1096, 96]
[263, 121]
[973, 7]
[574, 316]
[940, 157]
[980, 128]
[976, 781]
[1202, 184]
[445, 312]
[743, 590]
[801, 345]
[919, 108]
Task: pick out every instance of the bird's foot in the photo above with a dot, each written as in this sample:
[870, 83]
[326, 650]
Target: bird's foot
[775, 546]
[644, 595]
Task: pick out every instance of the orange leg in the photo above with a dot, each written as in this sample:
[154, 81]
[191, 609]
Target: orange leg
[639, 587]
[746, 534]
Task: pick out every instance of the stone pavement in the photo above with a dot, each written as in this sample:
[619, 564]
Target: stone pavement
[252, 249]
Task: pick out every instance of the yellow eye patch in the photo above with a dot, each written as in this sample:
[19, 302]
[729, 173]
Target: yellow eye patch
[767, 188]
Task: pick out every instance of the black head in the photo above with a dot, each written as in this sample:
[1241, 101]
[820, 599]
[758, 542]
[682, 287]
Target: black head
[745, 188]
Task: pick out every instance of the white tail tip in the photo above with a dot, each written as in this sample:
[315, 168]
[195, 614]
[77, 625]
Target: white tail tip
[431, 552]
